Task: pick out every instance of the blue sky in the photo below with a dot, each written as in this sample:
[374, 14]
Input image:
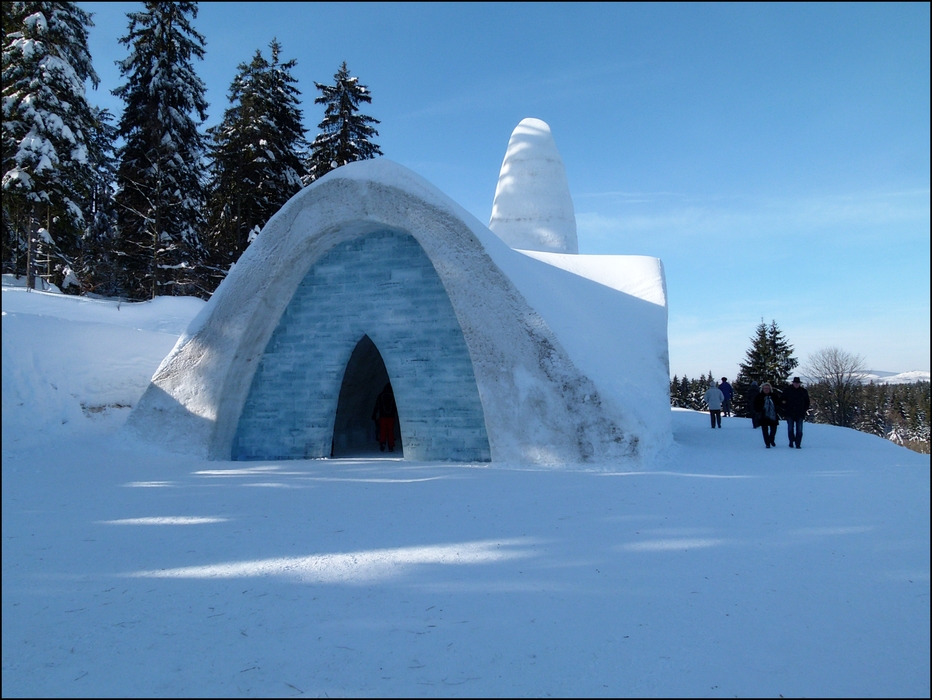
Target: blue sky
[775, 157]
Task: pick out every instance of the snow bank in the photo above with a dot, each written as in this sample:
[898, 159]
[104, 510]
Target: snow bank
[69, 359]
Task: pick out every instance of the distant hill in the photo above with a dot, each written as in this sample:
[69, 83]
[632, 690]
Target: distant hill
[881, 377]
[878, 377]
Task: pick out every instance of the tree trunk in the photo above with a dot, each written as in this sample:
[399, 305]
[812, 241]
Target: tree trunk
[48, 257]
[31, 254]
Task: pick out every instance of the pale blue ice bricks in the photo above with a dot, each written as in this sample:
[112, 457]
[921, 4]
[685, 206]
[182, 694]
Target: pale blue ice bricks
[382, 285]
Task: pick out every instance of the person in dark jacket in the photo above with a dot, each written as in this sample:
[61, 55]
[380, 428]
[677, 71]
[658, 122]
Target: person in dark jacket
[753, 391]
[384, 414]
[795, 408]
[727, 392]
[766, 405]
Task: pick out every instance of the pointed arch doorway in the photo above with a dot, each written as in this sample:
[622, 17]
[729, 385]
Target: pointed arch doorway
[354, 431]
[317, 360]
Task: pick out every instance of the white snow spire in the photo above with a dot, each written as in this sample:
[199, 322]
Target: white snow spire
[533, 209]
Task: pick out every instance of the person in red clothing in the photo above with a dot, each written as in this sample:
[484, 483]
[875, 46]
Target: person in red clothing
[385, 414]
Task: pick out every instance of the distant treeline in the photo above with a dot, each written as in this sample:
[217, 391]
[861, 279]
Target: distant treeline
[897, 412]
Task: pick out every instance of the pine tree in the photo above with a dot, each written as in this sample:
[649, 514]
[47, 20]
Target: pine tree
[47, 130]
[96, 264]
[697, 392]
[160, 197]
[920, 424]
[258, 153]
[782, 361]
[769, 359]
[872, 413]
[674, 391]
[689, 393]
[345, 134]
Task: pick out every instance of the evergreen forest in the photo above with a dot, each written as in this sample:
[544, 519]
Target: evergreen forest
[151, 203]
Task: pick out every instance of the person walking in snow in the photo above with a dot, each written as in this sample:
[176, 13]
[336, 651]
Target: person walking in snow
[728, 392]
[713, 398]
[753, 391]
[795, 408]
[766, 406]
[384, 414]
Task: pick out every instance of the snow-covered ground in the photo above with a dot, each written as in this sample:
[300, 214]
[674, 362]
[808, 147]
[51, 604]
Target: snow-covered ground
[725, 569]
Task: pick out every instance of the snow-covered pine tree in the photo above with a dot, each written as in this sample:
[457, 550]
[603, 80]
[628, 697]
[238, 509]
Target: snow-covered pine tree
[871, 411]
[257, 154]
[674, 391]
[919, 417]
[345, 133]
[697, 390]
[96, 263]
[47, 132]
[161, 175]
[683, 393]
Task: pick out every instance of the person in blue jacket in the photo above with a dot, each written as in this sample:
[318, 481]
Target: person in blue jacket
[727, 392]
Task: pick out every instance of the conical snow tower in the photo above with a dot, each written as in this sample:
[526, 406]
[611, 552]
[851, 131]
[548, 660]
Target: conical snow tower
[533, 209]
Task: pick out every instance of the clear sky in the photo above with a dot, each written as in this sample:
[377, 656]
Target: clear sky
[775, 157]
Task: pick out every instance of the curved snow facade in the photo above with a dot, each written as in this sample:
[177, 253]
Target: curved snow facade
[371, 274]
[379, 286]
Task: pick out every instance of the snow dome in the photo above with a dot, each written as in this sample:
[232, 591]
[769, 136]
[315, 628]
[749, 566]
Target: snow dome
[371, 276]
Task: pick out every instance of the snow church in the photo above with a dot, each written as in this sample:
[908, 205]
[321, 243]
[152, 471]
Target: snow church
[501, 343]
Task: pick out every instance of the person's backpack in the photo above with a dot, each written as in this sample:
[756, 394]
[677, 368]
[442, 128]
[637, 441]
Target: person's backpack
[769, 409]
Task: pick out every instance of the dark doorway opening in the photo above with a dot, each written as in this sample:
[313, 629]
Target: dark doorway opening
[354, 432]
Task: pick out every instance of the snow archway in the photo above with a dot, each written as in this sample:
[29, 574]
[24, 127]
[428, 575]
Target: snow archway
[497, 374]
[380, 285]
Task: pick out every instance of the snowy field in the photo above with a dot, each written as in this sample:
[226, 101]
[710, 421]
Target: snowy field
[725, 570]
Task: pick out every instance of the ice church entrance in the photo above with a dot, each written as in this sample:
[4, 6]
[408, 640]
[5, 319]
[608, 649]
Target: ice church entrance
[354, 431]
[370, 308]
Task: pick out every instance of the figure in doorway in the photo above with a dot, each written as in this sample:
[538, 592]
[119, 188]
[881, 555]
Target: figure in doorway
[384, 414]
